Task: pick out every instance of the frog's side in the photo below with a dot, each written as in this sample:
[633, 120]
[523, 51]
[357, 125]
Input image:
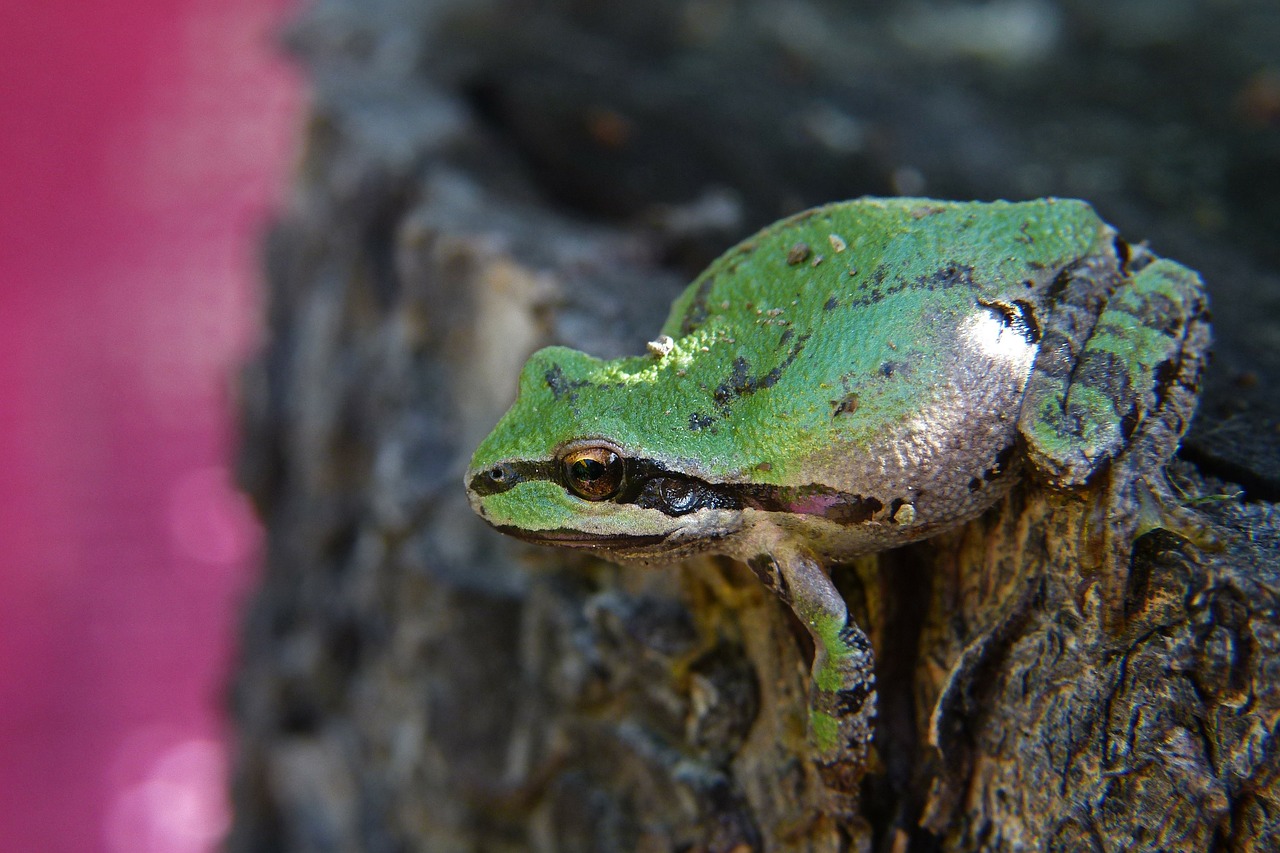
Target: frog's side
[853, 378]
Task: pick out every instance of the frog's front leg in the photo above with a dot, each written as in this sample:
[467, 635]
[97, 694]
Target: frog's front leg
[842, 697]
[1108, 402]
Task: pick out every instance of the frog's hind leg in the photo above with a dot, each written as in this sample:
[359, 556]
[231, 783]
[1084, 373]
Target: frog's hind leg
[842, 697]
[1115, 402]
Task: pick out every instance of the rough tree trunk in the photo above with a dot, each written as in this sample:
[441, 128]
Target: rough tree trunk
[481, 179]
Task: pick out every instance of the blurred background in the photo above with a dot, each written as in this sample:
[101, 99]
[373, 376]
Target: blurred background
[144, 144]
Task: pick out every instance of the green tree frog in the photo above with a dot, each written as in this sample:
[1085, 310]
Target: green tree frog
[859, 376]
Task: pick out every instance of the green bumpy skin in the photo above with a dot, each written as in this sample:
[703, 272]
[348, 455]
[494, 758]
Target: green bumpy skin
[801, 320]
[852, 378]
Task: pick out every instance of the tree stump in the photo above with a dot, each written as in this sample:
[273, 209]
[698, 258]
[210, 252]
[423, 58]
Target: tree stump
[483, 179]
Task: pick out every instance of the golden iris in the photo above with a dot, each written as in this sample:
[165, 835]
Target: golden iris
[593, 473]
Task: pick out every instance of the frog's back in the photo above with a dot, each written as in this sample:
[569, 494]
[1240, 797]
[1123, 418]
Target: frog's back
[857, 253]
[841, 326]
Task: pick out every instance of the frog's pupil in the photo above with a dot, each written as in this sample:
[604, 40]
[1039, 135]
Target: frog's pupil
[589, 470]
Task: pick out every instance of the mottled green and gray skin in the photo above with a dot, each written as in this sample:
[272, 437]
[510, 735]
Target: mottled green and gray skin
[853, 378]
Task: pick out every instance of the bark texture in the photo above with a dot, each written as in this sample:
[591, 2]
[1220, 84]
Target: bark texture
[484, 178]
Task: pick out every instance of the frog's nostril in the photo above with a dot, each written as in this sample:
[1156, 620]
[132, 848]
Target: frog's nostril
[495, 479]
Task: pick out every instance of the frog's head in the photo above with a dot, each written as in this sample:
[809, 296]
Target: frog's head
[583, 459]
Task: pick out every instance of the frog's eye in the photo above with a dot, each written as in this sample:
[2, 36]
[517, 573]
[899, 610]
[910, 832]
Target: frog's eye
[593, 473]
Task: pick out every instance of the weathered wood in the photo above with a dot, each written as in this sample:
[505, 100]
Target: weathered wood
[484, 179]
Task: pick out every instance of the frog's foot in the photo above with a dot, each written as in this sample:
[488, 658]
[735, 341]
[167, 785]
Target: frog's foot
[1129, 508]
[842, 697]
[1108, 401]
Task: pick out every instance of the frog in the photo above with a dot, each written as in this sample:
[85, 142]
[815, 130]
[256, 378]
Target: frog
[853, 378]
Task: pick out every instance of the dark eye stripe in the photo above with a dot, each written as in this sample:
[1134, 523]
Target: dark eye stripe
[651, 486]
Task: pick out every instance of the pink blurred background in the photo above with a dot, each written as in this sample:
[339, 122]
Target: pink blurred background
[144, 144]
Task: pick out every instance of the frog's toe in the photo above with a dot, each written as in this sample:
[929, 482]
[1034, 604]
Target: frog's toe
[1160, 508]
[1068, 437]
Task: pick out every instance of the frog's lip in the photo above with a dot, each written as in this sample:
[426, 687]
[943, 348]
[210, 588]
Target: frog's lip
[567, 538]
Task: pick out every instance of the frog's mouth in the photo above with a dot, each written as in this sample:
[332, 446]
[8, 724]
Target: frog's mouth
[568, 538]
[643, 548]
